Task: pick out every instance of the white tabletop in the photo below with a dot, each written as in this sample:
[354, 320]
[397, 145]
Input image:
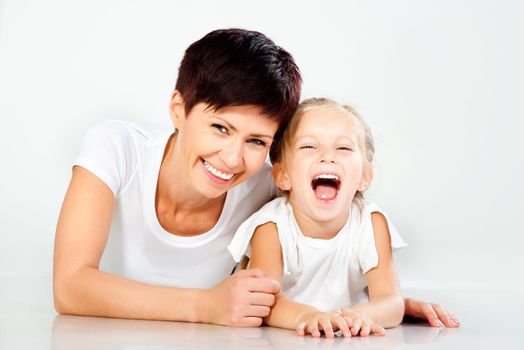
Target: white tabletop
[28, 321]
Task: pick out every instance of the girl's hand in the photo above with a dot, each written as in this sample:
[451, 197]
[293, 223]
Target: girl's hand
[329, 322]
[360, 324]
[433, 313]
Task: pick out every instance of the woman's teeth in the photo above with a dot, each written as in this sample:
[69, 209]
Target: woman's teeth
[217, 172]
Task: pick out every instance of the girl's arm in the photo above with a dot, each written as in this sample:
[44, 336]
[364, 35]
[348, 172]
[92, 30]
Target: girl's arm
[386, 305]
[266, 254]
[81, 288]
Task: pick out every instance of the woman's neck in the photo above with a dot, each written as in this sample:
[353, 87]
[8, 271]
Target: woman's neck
[177, 203]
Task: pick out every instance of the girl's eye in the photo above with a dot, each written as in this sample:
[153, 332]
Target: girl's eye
[306, 147]
[222, 129]
[257, 142]
[344, 148]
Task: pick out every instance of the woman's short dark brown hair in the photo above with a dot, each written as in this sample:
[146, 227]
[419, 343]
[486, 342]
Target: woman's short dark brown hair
[232, 67]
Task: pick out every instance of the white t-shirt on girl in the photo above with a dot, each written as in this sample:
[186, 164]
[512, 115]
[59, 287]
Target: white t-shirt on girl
[127, 157]
[325, 273]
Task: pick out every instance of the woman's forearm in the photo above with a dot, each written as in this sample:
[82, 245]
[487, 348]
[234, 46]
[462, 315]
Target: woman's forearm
[92, 292]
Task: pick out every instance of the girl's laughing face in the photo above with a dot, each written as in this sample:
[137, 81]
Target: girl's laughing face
[324, 165]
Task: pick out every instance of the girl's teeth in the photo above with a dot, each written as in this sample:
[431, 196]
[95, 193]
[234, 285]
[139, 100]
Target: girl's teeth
[327, 176]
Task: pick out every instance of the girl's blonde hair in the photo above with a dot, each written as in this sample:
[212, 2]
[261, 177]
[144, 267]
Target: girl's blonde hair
[282, 144]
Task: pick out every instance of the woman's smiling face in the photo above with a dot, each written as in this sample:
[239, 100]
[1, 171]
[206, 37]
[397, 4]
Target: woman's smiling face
[220, 149]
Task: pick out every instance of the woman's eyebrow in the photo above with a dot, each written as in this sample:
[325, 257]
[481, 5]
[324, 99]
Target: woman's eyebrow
[232, 127]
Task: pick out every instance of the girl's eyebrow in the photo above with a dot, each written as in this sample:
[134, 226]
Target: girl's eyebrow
[313, 136]
[229, 125]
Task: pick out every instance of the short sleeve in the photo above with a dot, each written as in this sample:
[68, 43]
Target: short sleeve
[239, 245]
[367, 250]
[103, 153]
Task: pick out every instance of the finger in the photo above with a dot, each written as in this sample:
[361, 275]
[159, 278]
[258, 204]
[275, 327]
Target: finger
[342, 326]
[430, 315]
[444, 316]
[455, 319]
[301, 329]
[357, 324]
[325, 325]
[365, 329]
[263, 285]
[256, 272]
[376, 329]
[348, 321]
[264, 299]
[312, 328]
[258, 311]
[250, 322]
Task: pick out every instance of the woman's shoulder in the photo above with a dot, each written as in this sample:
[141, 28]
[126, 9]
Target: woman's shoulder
[113, 149]
[126, 130]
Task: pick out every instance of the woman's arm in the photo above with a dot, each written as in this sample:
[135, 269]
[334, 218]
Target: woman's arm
[386, 306]
[81, 288]
[433, 313]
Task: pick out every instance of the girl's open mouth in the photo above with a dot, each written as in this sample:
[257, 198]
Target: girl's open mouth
[326, 186]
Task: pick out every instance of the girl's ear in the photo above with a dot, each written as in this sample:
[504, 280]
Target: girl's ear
[280, 177]
[367, 177]
[177, 109]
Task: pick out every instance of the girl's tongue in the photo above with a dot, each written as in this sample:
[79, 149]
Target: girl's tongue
[326, 191]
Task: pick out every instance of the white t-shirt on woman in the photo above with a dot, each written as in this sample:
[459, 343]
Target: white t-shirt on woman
[325, 273]
[127, 158]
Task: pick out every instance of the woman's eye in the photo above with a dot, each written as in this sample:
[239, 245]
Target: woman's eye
[344, 148]
[257, 142]
[222, 129]
[306, 147]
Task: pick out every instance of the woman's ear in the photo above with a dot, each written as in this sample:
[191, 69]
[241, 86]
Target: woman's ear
[280, 177]
[367, 177]
[177, 109]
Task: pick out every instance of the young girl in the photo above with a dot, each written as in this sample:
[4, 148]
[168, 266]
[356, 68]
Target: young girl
[330, 248]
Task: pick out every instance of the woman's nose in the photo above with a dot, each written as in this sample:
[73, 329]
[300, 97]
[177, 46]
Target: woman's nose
[232, 155]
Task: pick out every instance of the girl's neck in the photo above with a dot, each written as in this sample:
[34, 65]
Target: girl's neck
[318, 229]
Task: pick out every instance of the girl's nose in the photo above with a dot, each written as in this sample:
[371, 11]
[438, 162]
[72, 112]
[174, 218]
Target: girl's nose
[327, 156]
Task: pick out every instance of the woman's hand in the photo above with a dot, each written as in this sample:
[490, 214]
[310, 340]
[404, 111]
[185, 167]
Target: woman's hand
[433, 313]
[242, 299]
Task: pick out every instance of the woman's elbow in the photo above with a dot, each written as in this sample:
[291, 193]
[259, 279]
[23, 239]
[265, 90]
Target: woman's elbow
[63, 295]
[60, 298]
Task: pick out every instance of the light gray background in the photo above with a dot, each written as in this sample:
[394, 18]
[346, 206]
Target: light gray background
[440, 82]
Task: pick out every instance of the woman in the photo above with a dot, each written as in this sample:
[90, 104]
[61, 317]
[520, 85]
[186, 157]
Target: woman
[176, 198]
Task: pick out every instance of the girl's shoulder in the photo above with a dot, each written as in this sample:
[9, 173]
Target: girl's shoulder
[363, 236]
[276, 211]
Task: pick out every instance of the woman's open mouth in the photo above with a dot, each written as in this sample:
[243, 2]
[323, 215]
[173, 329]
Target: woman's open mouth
[217, 175]
[326, 186]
